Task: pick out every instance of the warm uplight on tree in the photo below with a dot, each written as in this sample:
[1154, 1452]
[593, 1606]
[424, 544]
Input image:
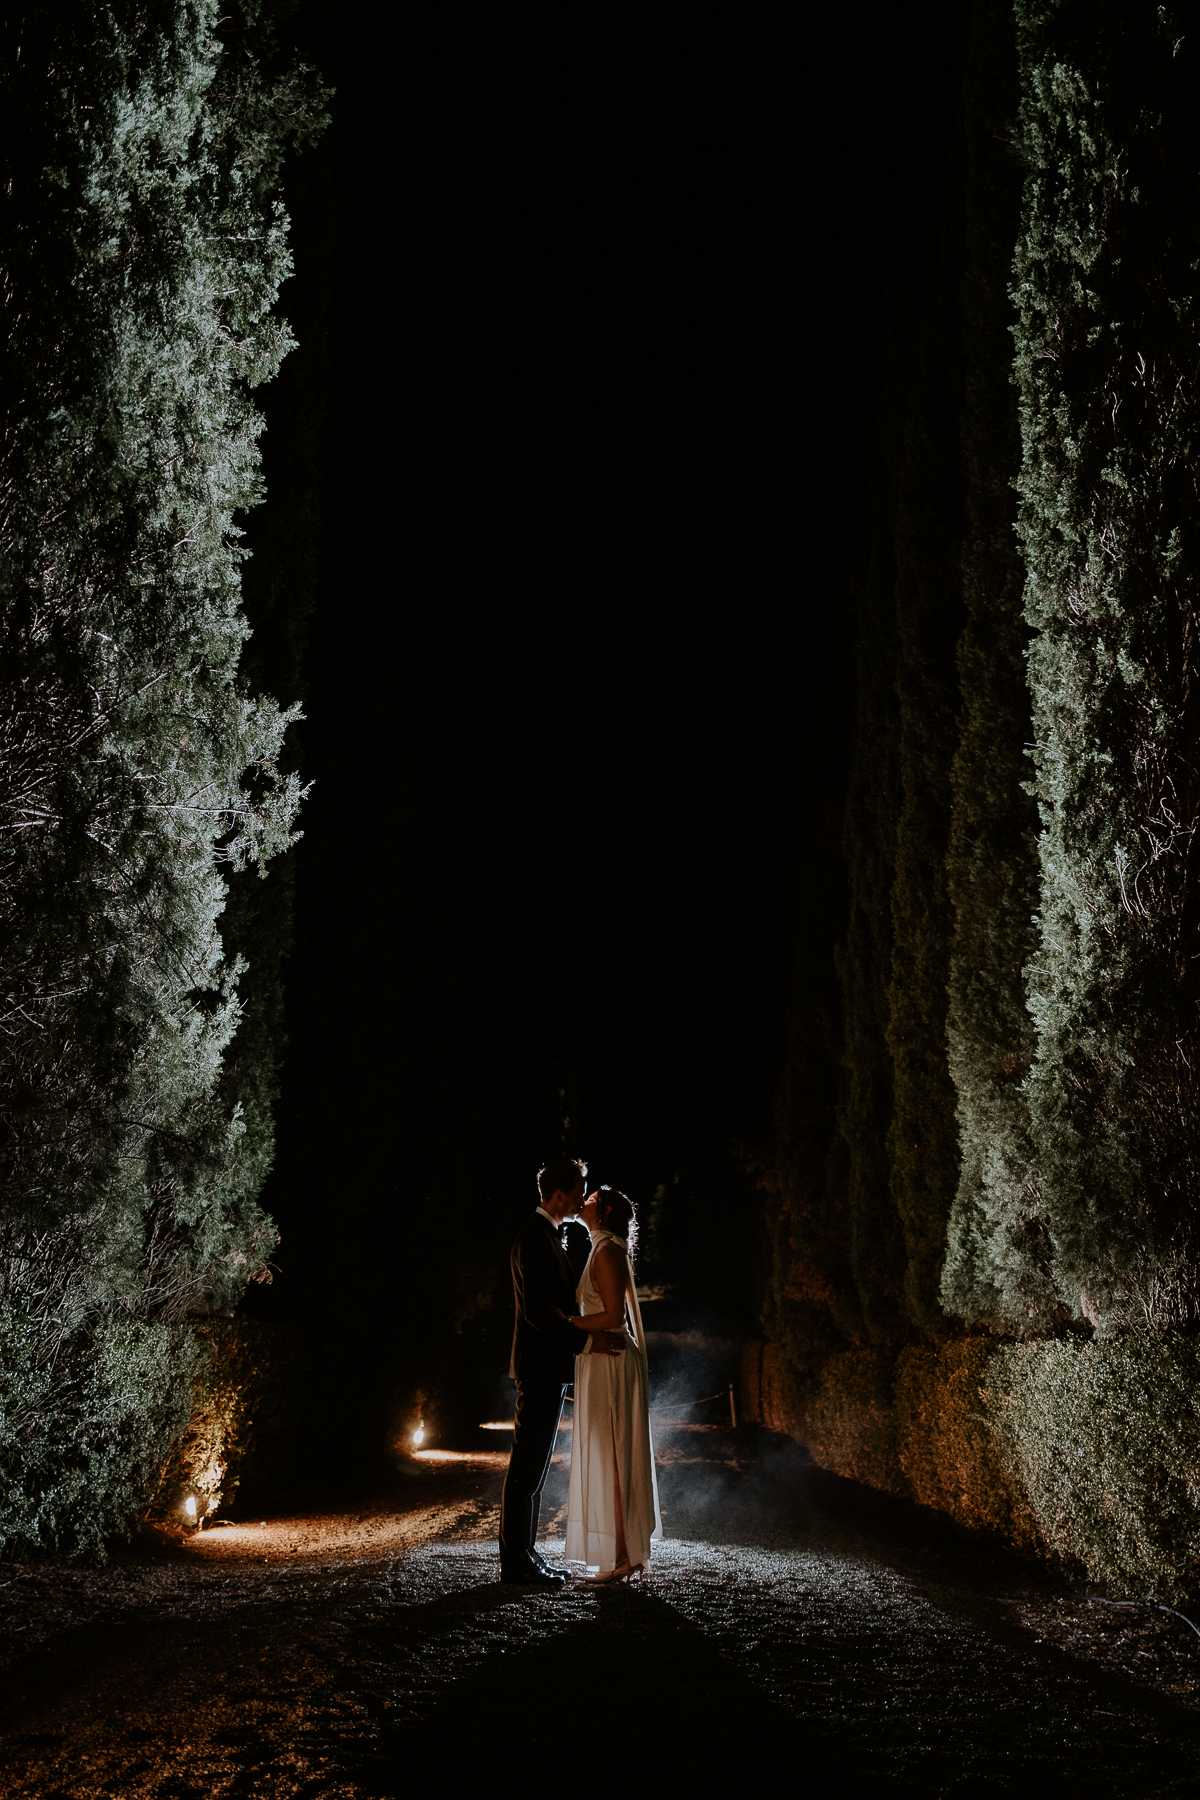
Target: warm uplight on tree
[418, 1436]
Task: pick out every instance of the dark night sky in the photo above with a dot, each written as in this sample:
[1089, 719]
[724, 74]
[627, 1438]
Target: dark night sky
[607, 310]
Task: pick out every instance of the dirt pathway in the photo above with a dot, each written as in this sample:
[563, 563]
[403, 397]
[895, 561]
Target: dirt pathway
[793, 1622]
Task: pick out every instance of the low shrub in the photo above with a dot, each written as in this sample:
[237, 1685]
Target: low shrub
[947, 1443]
[241, 1395]
[118, 1424]
[843, 1412]
[1103, 1441]
[85, 1423]
[1083, 1450]
[849, 1419]
[769, 1388]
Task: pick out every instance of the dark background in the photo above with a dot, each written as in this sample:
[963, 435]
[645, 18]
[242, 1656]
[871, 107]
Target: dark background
[592, 319]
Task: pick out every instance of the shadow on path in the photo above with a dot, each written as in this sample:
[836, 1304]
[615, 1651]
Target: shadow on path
[794, 1628]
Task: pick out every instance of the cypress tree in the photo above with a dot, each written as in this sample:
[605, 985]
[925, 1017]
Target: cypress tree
[997, 1265]
[921, 1142]
[279, 586]
[1106, 292]
[146, 249]
[892, 1168]
[812, 1304]
[864, 958]
[895, 1116]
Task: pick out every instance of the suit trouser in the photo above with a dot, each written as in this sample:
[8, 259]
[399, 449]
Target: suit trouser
[539, 1408]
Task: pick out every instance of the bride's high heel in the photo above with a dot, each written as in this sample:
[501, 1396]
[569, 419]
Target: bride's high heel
[625, 1572]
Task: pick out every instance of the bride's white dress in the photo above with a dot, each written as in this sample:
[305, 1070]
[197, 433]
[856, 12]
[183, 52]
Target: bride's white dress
[612, 1423]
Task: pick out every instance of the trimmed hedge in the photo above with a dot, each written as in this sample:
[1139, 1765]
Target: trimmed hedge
[952, 1455]
[83, 1434]
[850, 1419]
[1104, 1439]
[1104, 283]
[92, 1448]
[240, 1419]
[1084, 1451]
[843, 1414]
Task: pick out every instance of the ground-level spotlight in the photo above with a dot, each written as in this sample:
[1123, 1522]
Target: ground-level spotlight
[418, 1436]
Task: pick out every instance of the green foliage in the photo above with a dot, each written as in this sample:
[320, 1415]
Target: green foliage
[810, 1299]
[82, 1434]
[279, 583]
[1106, 292]
[921, 1140]
[895, 1105]
[847, 1418]
[1102, 1440]
[951, 1459]
[137, 769]
[1084, 1451]
[246, 1392]
[865, 951]
[1069, 999]
[997, 1264]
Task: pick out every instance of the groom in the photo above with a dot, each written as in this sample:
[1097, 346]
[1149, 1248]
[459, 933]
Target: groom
[543, 1362]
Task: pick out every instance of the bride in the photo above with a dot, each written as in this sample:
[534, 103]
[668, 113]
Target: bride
[612, 1511]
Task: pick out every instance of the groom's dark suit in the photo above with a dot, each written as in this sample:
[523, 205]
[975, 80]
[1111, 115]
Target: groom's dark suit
[543, 1362]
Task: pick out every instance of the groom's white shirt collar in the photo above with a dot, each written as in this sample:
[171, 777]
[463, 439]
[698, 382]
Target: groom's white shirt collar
[555, 1222]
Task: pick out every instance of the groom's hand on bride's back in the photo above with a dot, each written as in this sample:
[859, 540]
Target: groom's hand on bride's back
[607, 1343]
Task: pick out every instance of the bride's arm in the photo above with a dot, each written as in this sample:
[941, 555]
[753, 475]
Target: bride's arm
[608, 1275]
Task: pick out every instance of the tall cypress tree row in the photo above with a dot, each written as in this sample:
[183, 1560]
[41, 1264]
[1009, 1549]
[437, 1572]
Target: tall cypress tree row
[146, 250]
[279, 586]
[865, 951]
[895, 1109]
[997, 1264]
[1106, 287]
[928, 603]
[812, 1304]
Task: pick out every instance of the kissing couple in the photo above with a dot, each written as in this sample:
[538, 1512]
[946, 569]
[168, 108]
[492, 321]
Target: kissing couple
[583, 1334]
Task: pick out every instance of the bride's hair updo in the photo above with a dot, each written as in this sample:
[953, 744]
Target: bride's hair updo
[615, 1212]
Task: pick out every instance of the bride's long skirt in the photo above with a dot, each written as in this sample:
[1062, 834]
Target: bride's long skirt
[612, 1425]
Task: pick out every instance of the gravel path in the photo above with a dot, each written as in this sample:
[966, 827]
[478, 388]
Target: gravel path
[794, 1627]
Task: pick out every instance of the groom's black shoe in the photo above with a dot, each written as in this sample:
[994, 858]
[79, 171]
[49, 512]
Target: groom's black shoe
[557, 1576]
[528, 1573]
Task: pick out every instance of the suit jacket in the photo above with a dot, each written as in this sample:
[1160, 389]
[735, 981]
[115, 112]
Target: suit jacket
[544, 1347]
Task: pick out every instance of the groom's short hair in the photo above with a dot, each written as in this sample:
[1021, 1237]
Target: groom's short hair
[561, 1176]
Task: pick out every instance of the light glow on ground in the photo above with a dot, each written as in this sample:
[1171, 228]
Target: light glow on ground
[482, 1459]
[511, 1425]
[386, 1527]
